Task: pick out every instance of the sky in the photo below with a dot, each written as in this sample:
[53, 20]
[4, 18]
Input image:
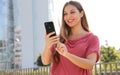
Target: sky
[103, 18]
[0, 19]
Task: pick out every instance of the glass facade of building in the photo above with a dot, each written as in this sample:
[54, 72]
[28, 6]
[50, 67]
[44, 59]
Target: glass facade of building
[9, 23]
[8, 37]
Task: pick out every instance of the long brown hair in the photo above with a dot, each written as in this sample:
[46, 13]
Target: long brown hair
[65, 29]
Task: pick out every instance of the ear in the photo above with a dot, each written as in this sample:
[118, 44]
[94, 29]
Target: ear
[81, 13]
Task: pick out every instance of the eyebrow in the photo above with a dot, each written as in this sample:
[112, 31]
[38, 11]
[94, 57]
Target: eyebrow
[71, 10]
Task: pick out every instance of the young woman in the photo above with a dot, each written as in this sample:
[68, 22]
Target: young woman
[76, 50]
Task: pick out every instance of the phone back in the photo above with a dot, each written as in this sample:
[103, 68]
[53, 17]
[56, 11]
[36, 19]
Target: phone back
[49, 26]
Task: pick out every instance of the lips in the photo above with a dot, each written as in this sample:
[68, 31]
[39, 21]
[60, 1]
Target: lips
[70, 20]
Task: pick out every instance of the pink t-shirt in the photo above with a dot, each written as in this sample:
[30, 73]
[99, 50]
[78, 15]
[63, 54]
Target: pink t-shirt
[81, 47]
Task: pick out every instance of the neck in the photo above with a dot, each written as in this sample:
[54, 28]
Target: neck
[77, 30]
[77, 35]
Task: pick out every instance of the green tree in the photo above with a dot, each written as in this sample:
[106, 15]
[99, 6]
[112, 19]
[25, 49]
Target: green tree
[109, 54]
[1, 43]
[39, 62]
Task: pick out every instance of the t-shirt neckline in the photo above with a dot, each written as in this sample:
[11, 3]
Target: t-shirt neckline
[85, 35]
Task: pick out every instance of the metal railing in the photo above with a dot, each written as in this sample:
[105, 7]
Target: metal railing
[112, 68]
[27, 71]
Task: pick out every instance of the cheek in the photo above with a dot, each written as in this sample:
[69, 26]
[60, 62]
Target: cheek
[65, 19]
[78, 18]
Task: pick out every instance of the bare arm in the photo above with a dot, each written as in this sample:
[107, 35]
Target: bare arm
[46, 56]
[49, 41]
[85, 63]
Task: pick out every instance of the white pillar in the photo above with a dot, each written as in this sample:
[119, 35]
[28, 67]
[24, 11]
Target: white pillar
[40, 15]
[27, 33]
[33, 14]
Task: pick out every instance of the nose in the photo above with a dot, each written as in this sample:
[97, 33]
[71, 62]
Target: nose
[68, 16]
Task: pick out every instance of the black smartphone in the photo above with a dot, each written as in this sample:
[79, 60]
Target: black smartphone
[49, 27]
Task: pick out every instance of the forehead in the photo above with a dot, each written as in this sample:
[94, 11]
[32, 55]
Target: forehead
[69, 7]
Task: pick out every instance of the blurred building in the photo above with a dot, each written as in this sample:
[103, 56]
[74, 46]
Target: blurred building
[23, 29]
[17, 47]
[8, 37]
[9, 22]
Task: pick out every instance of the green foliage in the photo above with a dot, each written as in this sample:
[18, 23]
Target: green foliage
[39, 62]
[109, 54]
[1, 43]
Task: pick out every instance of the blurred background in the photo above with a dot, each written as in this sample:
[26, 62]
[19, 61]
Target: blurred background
[22, 27]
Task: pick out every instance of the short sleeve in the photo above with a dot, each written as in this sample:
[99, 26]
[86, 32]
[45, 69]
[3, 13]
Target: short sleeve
[93, 46]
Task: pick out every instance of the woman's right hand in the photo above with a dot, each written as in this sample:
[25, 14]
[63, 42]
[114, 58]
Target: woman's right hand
[51, 40]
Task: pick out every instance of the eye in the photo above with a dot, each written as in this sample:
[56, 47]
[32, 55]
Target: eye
[65, 14]
[72, 12]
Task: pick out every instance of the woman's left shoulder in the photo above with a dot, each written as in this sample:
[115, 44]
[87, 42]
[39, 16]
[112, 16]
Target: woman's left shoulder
[93, 36]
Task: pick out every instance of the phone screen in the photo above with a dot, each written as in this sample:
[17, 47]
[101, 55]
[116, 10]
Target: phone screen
[49, 27]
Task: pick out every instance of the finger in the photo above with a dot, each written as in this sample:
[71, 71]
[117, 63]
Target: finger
[59, 50]
[50, 34]
[54, 37]
[54, 41]
[58, 45]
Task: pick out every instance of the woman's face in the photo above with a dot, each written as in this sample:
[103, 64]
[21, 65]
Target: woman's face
[72, 16]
